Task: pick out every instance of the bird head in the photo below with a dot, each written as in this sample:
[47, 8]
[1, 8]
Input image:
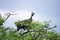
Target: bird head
[7, 14]
[32, 14]
[10, 14]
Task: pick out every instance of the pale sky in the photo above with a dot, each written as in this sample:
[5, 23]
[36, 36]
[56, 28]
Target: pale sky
[44, 9]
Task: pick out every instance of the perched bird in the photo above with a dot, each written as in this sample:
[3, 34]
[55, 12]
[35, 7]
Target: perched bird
[8, 15]
[24, 24]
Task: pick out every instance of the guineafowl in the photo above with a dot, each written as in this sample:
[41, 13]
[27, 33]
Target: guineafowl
[24, 24]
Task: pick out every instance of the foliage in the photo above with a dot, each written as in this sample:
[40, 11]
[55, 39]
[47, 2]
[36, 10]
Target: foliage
[1, 21]
[38, 31]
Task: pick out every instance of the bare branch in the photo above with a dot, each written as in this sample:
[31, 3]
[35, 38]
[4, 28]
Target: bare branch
[51, 27]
